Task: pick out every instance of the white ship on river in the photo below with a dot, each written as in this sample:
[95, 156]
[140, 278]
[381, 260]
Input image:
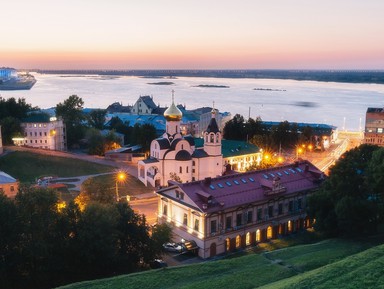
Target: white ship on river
[11, 79]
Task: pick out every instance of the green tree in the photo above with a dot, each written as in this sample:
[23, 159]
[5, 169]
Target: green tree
[119, 126]
[71, 111]
[96, 118]
[38, 215]
[17, 109]
[96, 240]
[234, 129]
[95, 142]
[344, 205]
[10, 128]
[161, 233]
[9, 240]
[96, 190]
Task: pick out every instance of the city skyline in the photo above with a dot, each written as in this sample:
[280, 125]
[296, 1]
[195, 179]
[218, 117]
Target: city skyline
[171, 34]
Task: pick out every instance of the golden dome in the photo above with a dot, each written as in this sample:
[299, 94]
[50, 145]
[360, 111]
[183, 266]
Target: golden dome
[173, 113]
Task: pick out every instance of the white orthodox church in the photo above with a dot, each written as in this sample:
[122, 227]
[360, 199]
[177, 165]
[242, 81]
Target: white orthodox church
[175, 157]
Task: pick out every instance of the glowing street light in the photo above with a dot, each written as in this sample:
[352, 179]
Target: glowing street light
[120, 177]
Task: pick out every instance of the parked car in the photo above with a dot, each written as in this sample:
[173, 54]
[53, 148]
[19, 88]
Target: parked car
[172, 247]
[158, 263]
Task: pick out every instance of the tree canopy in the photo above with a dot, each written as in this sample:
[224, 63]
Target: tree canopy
[71, 111]
[44, 246]
[350, 201]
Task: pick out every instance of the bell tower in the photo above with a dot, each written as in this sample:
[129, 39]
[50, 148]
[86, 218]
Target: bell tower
[212, 136]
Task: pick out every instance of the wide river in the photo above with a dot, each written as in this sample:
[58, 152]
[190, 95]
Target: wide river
[339, 104]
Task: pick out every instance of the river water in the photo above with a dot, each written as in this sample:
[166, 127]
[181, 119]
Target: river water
[339, 104]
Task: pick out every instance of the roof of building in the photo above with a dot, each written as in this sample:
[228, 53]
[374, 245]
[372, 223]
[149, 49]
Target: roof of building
[148, 100]
[6, 179]
[199, 153]
[150, 161]
[319, 126]
[212, 126]
[36, 118]
[173, 113]
[237, 190]
[163, 143]
[232, 148]
[183, 155]
[375, 110]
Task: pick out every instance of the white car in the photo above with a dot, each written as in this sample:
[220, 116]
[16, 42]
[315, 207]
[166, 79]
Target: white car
[172, 247]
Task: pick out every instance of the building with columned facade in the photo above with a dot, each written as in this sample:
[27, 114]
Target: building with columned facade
[235, 211]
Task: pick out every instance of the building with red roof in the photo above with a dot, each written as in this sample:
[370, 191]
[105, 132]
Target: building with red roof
[230, 212]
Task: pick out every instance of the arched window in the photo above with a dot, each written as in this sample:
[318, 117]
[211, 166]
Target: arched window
[228, 244]
[238, 241]
[269, 232]
[289, 226]
[180, 170]
[212, 138]
[258, 235]
[248, 239]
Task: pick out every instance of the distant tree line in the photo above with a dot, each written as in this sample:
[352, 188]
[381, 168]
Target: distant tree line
[350, 202]
[284, 135]
[44, 245]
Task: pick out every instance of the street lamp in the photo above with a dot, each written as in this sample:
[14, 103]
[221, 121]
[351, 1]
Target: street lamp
[120, 177]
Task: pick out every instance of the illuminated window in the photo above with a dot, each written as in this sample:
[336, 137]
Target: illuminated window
[238, 241]
[269, 232]
[248, 239]
[289, 226]
[258, 236]
[227, 244]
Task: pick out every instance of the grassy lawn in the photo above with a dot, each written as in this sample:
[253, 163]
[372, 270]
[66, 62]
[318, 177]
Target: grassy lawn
[27, 166]
[131, 186]
[327, 264]
[361, 270]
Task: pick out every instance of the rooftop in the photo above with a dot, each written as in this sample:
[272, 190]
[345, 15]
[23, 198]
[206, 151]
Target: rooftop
[234, 191]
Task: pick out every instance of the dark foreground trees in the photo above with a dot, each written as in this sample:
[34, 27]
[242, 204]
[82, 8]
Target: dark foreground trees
[350, 202]
[43, 245]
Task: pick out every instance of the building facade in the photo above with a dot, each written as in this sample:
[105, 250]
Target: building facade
[374, 126]
[232, 212]
[43, 131]
[175, 156]
[8, 185]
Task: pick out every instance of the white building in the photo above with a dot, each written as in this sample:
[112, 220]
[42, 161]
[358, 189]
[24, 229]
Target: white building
[42, 131]
[174, 156]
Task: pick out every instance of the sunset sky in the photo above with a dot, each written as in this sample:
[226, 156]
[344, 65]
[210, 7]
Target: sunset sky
[198, 34]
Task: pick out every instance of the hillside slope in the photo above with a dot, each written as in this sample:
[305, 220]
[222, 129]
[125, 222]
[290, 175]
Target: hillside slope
[332, 262]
